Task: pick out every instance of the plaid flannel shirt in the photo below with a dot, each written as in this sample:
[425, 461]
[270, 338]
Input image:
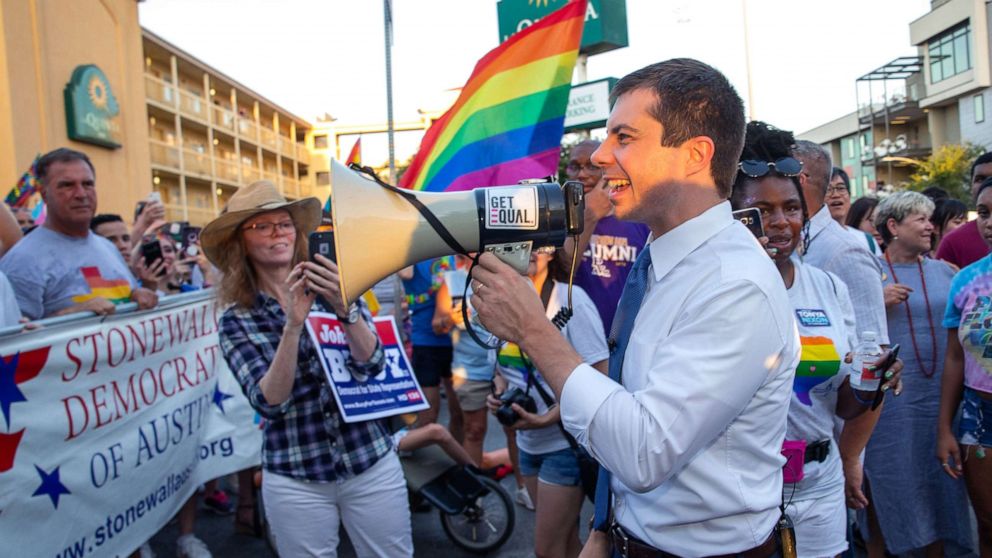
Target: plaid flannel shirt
[305, 436]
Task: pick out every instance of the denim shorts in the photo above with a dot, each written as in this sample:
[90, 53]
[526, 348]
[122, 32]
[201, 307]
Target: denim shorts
[560, 468]
[975, 427]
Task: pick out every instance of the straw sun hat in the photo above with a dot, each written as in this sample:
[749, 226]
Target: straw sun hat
[257, 197]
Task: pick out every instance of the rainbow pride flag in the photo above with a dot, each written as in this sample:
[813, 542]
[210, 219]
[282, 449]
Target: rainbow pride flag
[818, 363]
[509, 118]
[25, 187]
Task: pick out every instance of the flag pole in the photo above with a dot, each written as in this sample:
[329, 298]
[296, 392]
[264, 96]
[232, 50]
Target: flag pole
[388, 21]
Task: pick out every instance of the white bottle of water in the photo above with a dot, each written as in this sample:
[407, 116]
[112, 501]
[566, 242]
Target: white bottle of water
[866, 354]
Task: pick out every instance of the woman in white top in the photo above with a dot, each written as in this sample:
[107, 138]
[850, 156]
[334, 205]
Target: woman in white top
[548, 462]
[814, 490]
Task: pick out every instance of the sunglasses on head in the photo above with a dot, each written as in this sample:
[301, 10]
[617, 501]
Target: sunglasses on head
[786, 166]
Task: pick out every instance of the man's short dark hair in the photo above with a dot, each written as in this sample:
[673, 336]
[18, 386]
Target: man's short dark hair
[60, 155]
[104, 218]
[982, 159]
[694, 99]
[843, 177]
[935, 193]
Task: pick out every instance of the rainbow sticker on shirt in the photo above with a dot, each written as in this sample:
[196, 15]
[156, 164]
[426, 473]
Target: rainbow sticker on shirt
[116, 291]
[818, 363]
[510, 356]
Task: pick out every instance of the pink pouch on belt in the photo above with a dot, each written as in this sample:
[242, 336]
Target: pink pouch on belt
[795, 455]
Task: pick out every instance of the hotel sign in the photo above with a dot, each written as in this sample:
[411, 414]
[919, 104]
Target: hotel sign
[589, 105]
[605, 28]
[91, 112]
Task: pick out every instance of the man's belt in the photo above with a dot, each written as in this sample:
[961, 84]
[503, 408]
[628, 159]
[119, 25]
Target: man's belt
[630, 547]
[817, 451]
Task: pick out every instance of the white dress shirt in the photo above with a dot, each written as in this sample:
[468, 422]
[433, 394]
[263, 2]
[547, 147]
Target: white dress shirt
[693, 436]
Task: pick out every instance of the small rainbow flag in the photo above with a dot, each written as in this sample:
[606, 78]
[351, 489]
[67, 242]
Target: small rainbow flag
[355, 156]
[27, 185]
[818, 363]
[509, 118]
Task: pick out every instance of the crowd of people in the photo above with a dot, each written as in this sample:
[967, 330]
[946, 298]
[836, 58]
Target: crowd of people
[707, 393]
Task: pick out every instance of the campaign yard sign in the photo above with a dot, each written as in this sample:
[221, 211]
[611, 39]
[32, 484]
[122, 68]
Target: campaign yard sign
[393, 391]
[109, 425]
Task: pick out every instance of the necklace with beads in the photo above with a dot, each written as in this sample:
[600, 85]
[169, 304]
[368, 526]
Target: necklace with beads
[909, 316]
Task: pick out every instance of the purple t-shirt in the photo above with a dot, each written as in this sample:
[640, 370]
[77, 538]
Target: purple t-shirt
[613, 248]
[963, 246]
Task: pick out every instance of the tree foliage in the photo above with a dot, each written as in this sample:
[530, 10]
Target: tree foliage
[948, 168]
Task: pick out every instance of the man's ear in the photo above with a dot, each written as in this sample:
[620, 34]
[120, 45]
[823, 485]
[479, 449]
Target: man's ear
[699, 156]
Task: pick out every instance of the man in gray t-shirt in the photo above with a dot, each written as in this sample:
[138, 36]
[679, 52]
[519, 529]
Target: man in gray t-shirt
[62, 267]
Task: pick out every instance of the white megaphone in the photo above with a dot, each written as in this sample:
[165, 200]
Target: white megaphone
[379, 230]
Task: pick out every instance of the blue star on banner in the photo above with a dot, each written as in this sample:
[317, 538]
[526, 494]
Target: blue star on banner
[220, 397]
[9, 392]
[51, 486]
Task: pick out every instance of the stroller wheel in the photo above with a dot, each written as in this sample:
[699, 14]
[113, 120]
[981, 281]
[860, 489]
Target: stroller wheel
[485, 524]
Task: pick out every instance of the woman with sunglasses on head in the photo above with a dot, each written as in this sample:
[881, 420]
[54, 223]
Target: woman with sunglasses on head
[549, 461]
[318, 470]
[967, 381]
[814, 488]
[897, 463]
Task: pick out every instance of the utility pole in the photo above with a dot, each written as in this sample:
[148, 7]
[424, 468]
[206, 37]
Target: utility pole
[388, 22]
[747, 62]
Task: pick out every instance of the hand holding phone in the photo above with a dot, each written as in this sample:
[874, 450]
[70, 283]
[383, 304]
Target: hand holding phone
[152, 252]
[322, 242]
[751, 218]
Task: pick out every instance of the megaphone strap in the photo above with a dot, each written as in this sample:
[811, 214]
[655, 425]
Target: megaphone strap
[435, 223]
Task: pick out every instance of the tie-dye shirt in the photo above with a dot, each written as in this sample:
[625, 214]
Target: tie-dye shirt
[51, 271]
[969, 308]
[825, 318]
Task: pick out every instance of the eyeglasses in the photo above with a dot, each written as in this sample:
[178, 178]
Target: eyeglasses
[838, 189]
[266, 228]
[590, 168]
[786, 166]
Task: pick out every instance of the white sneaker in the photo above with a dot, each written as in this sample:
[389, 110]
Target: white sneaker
[188, 546]
[523, 498]
[146, 551]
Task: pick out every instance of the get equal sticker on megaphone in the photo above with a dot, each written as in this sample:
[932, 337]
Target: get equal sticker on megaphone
[512, 207]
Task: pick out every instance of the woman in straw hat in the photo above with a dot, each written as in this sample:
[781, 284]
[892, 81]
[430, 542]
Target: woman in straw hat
[317, 469]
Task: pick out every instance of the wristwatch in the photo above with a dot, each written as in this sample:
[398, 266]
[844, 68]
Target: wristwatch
[354, 314]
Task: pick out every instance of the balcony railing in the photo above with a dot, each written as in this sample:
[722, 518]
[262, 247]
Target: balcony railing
[302, 155]
[195, 162]
[227, 170]
[286, 147]
[160, 91]
[271, 177]
[193, 105]
[290, 186]
[224, 118]
[248, 130]
[269, 139]
[249, 174]
[164, 154]
[174, 212]
[200, 217]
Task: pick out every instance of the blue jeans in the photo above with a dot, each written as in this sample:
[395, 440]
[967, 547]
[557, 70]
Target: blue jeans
[560, 468]
[975, 427]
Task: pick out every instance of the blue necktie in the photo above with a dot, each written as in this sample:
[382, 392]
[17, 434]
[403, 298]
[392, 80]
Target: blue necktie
[623, 324]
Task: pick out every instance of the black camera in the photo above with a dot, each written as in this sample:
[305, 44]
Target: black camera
[505, 414]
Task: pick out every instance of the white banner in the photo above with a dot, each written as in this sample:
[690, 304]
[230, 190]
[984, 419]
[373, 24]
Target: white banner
[109, 426]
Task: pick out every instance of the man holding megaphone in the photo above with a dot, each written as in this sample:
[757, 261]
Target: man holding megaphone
[689, 423]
